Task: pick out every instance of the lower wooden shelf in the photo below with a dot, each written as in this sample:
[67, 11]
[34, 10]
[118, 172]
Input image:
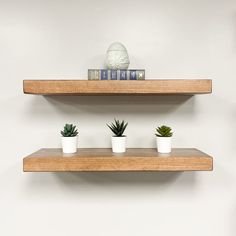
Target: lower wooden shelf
[102, 159]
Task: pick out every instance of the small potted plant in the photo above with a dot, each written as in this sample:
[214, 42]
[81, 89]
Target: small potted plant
[164, 139]
[118, 140]
[69, 138]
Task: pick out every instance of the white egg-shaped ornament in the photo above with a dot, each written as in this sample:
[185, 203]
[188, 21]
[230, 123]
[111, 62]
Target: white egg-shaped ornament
[117, 57]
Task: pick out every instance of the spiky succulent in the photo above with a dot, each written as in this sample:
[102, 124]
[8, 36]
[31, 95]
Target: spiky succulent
[69, 130]
[164, 131]
[118, 127]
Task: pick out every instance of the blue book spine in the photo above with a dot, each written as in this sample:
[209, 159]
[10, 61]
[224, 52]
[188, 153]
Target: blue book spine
[132, 75]
[113, 75]
[123, 74]
[104, 75]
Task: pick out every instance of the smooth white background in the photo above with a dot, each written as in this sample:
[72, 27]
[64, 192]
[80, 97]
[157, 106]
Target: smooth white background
[170, 39]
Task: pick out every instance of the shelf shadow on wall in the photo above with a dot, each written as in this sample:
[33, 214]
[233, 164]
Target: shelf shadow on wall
[124, 104]
[112, 182]
[125, 178]
[96, 185]
[118, 181]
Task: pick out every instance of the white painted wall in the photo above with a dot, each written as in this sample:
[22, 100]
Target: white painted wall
[170, 39]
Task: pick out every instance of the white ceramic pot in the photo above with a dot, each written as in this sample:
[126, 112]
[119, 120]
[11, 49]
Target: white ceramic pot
[164, 144]
[69, 144]
[118, 144]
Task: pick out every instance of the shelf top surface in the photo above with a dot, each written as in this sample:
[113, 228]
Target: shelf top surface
[107, 153]
[118, 87]
[102, 159]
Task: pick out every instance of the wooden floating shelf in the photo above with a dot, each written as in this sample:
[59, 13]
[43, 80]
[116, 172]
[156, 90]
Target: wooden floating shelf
[117, 87]
[102, 159]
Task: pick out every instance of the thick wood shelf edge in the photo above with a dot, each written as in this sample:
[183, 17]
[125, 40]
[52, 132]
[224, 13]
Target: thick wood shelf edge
[117, 87]
[102, 159]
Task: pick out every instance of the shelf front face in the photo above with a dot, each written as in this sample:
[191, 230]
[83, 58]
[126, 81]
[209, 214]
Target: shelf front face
[117, 87]
[102, 159]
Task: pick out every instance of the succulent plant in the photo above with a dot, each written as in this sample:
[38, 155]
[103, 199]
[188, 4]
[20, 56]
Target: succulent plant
[69, 131]
[164, 131]
[118, 127]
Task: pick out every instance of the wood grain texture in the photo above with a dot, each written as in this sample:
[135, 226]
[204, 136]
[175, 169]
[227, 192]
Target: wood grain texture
[117, 87]
[102, 159]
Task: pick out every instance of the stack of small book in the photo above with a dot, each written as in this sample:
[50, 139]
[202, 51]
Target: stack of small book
[94, 74]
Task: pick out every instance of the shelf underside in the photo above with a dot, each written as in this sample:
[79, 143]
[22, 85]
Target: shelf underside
[117, 87]
[102, 159]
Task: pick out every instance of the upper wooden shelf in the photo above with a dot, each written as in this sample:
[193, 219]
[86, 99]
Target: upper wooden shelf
[117, 87]
[102, 159]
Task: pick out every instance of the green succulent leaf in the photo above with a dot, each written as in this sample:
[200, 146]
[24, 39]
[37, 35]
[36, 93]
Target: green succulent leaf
[118, 128]
[69, 131]
[164, 131]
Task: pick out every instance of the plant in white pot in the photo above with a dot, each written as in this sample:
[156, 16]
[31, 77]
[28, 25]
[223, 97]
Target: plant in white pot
[69, 138]
[118, 141]
[164, 139]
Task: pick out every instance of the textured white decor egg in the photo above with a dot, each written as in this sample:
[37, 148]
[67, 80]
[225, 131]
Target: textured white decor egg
[117, 57]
